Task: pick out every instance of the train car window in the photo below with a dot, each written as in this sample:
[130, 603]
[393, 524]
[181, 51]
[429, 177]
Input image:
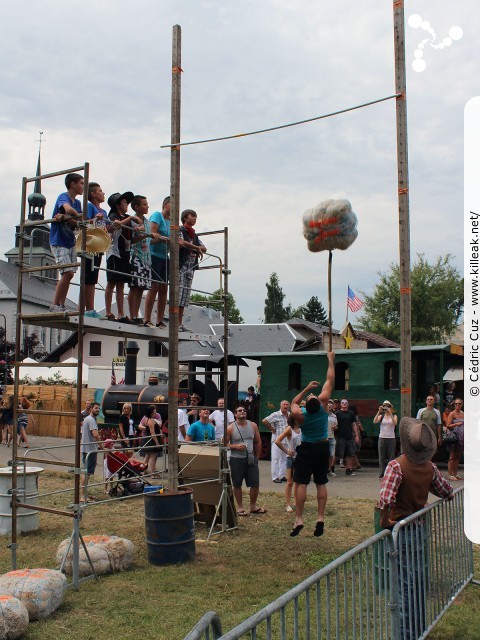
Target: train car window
[157, 349]
[95, 348]
[391, 375]
[342, 376]
[295, 376]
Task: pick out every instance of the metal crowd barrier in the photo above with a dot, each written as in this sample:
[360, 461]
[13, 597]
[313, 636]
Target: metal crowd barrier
[394, 586]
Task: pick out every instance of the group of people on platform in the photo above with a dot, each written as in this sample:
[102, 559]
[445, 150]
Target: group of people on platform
[138, 255]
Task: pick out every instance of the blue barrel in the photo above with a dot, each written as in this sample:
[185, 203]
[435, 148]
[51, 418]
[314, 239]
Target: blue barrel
[169, 526]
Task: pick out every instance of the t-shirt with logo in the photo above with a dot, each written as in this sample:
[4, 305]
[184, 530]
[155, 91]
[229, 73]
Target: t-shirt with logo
[200, 432]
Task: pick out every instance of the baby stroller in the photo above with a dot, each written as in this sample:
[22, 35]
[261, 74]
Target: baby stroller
[128, 472]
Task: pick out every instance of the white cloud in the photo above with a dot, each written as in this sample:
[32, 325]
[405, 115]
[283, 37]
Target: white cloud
[96, 79]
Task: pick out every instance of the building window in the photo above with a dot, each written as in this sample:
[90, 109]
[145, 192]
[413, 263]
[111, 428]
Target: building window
[121, 348]
[157, 349]
[391, 375]
[342, 376]
[294, 376]
[95, 348]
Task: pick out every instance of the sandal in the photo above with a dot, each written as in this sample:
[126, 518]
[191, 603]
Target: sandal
[110, 316]
[318, 531]
[258, 511]
[296, 530]
[242, 513]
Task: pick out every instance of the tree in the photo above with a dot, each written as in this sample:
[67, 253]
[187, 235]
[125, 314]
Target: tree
[274, 310]
[7, 354]
[437, 302]
[314, 311]
[233, 312]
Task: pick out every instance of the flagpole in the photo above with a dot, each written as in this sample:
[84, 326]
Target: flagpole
[347, 304]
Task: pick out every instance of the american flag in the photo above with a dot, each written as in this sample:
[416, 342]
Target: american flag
[113, 379]
[353, 303]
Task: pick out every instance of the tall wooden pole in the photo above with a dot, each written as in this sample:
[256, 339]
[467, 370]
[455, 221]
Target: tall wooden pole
[403, 211]
[174, 262]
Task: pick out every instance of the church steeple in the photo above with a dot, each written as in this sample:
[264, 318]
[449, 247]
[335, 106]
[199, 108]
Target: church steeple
[36, 200]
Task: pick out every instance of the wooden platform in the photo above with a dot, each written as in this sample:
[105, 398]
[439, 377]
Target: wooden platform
[111, 327]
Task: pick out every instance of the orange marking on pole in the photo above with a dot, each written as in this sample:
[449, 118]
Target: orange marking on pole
[405, 290]
[177, 70]
[406, 390]
[402, 192]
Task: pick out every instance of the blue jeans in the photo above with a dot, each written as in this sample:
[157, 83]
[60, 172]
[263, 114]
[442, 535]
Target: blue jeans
[412, 574]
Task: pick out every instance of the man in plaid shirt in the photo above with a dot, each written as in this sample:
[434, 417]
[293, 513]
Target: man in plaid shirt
[404, 491]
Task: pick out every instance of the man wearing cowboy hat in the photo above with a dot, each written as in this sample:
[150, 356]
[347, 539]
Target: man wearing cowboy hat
[405, 487]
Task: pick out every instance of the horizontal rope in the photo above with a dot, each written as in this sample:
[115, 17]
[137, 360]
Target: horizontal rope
[282, 126]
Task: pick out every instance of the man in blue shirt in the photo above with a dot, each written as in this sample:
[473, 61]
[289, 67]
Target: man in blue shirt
[159, 223]
[202, 430]
[66, 212]
[314, 453]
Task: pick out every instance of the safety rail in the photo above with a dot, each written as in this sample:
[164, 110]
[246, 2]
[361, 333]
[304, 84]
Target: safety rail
[395, 585]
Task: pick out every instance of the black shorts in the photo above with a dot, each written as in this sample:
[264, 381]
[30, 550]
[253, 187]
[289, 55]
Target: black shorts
[312, 459]
[241, 471]
[122, 265]
[91, 274]
[159, 268]
[345, 447]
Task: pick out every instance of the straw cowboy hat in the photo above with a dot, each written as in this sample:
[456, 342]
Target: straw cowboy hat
[98, 240]
[417, 440]
[388, 404]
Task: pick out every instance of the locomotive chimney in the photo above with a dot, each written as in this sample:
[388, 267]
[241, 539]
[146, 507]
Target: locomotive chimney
[131, 351]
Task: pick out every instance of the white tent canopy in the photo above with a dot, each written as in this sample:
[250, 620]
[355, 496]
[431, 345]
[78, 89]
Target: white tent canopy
[66, 373]
[454, 374]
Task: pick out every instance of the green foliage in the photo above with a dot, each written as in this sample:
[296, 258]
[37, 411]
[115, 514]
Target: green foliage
[437, 302]
[7, 354]
[314, 311]
[274, 310]
[233, 313]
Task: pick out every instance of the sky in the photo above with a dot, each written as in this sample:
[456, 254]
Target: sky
[95, 77]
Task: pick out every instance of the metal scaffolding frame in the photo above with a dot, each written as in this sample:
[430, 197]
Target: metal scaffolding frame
[75, 321]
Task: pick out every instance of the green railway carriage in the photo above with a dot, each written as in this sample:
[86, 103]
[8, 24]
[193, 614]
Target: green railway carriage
[366, 377]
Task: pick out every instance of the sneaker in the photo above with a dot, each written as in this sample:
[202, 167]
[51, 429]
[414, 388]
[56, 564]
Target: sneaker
[349, 472]
[288, 509]
[342, 465]
[277, 481]
[332, 474]
[161, 325]
[125, 320]
[92, 314]
[283, 479]
[56, 308]
[137, 320]
[150, 325]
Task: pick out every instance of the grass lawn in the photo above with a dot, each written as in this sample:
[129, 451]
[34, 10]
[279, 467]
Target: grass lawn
[235, 575]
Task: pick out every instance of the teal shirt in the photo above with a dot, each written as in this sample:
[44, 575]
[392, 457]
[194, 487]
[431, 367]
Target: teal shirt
[159, 249]
[315, 425]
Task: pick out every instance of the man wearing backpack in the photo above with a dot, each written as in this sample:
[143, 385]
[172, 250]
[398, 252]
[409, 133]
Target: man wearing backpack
[432, 418]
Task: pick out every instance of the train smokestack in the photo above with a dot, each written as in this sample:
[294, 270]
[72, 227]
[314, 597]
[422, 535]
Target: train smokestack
[131, 351]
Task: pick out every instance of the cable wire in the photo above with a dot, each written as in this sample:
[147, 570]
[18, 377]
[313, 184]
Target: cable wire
[282, 126]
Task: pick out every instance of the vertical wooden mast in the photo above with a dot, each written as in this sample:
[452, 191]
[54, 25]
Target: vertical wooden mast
[174, 262]
[403, 210]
